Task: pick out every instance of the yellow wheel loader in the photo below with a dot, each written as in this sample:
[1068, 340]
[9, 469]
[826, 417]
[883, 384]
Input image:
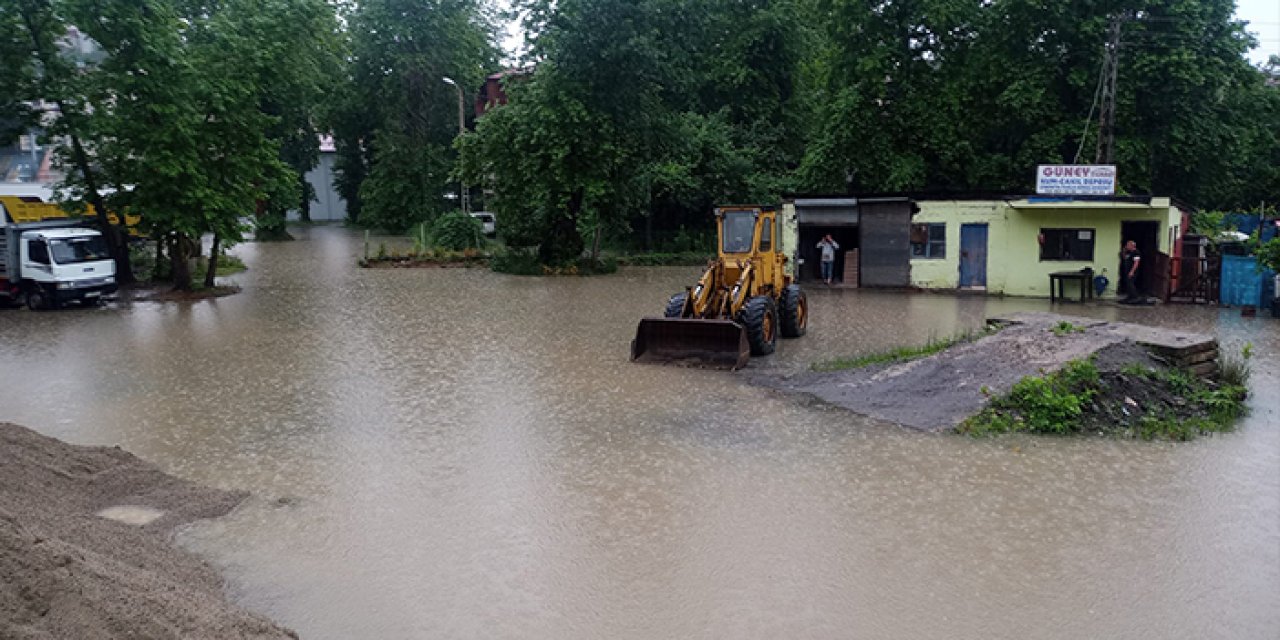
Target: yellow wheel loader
[738, 308]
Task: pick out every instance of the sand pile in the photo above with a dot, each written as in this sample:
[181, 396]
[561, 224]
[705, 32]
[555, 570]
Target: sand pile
[85, 548]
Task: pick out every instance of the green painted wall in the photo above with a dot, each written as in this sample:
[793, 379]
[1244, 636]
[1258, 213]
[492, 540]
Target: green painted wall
[944, 273]
[790, 237]
[1014, 266]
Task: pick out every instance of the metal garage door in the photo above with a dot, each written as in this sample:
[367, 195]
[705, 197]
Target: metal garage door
[886, 256]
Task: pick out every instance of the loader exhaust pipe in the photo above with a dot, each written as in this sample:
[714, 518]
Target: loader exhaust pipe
[719, 344]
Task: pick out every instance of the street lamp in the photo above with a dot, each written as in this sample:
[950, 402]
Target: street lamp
[462, 128]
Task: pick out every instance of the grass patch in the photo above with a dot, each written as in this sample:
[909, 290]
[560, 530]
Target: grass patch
[1066, 328]
[683, 259]
[902, 354]
[1233, 368]
[1136, 401]
[432, 257]
[227, 265]
[525, 263]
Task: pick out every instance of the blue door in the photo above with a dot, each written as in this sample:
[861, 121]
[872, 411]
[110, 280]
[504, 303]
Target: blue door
[973, 255]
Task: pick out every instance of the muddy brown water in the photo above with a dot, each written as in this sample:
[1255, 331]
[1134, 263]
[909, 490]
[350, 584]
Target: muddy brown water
[457, 454]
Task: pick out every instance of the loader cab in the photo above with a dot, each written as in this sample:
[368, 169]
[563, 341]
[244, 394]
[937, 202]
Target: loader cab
[750, 234]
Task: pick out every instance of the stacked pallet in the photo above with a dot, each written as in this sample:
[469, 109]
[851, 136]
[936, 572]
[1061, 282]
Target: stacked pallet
[850, 276]
[1195, 352]
[1200, 358]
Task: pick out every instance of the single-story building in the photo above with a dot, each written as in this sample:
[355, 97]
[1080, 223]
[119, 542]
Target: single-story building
[1001, 245]
[872, 232]
[328, 206]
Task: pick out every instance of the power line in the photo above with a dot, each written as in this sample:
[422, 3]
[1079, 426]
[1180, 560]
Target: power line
[1107, 118]
[1089, 118]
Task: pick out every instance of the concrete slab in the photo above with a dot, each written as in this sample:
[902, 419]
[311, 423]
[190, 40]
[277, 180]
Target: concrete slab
[1162, 341]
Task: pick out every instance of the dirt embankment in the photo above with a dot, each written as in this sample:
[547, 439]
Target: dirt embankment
[940, 391]
[85, 548]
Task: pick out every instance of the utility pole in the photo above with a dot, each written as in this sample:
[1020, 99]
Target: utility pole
[464, 194]
[1105, 153]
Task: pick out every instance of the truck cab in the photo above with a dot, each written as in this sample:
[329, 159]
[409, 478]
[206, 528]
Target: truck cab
[53, 263]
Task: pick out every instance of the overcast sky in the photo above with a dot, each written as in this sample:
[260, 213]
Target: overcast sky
[1263, 17]
[1264, 22]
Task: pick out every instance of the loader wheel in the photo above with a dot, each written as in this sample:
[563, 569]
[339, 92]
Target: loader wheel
[794, 312]
[760, 317]
[675, 306]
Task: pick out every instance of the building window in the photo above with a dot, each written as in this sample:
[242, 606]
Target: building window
[929, 240]
[1066, 244]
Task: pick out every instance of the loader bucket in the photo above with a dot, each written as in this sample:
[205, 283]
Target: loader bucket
[720, 344]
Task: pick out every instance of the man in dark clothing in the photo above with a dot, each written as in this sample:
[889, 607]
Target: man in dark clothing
[1130, 260]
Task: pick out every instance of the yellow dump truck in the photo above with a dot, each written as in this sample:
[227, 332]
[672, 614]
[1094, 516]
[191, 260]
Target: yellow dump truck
[22, 209]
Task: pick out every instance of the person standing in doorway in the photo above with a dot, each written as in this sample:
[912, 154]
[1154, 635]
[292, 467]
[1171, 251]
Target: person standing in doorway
[1130, 262]
[828, 247]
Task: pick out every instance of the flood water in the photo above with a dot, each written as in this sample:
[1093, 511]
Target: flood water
[462, 454]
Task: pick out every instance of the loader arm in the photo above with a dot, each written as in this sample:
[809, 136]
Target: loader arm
[737, 298]
[702, 295]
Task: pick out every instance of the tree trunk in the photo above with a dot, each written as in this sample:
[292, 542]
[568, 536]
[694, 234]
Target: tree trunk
[116, 239]
[116, 244]
[562, 243]
[304, 206]
[180, 262]
[648, 231]
[212, 272]
[157, 271]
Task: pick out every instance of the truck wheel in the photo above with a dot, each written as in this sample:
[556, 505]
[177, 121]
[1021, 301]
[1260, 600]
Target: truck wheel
[675, 306]
[760, 317]
[36, 300]
[794, 312]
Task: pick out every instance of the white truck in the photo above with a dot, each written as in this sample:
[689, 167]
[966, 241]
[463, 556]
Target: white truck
[52, 262]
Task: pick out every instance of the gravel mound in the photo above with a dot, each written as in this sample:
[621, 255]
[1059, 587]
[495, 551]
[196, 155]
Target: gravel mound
[67, 572]
[940, 391]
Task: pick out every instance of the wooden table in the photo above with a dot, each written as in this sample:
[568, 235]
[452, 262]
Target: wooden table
[1084, 278]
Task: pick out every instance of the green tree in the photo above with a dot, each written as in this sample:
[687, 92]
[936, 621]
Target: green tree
[951, 95]
[299, 51]
[39, 70]
[395, 120]
[640, 110]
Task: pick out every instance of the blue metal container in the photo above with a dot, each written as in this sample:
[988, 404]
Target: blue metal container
[1244, 282]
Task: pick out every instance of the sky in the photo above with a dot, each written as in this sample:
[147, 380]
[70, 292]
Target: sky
[1263, 17]
[1264, 23]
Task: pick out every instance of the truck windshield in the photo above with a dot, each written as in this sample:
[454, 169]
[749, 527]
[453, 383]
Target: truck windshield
[739, 227]
[73, 250]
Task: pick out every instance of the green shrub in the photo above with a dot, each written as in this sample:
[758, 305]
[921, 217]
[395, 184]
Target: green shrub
[601, 266]
[1064, 328]
[526, 262]
[1045, 406]
[518, 262]
[1050, 404]
[457, 231]
[1269, 254]
[142, 256]
[1079, 398]
[1234, 369]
